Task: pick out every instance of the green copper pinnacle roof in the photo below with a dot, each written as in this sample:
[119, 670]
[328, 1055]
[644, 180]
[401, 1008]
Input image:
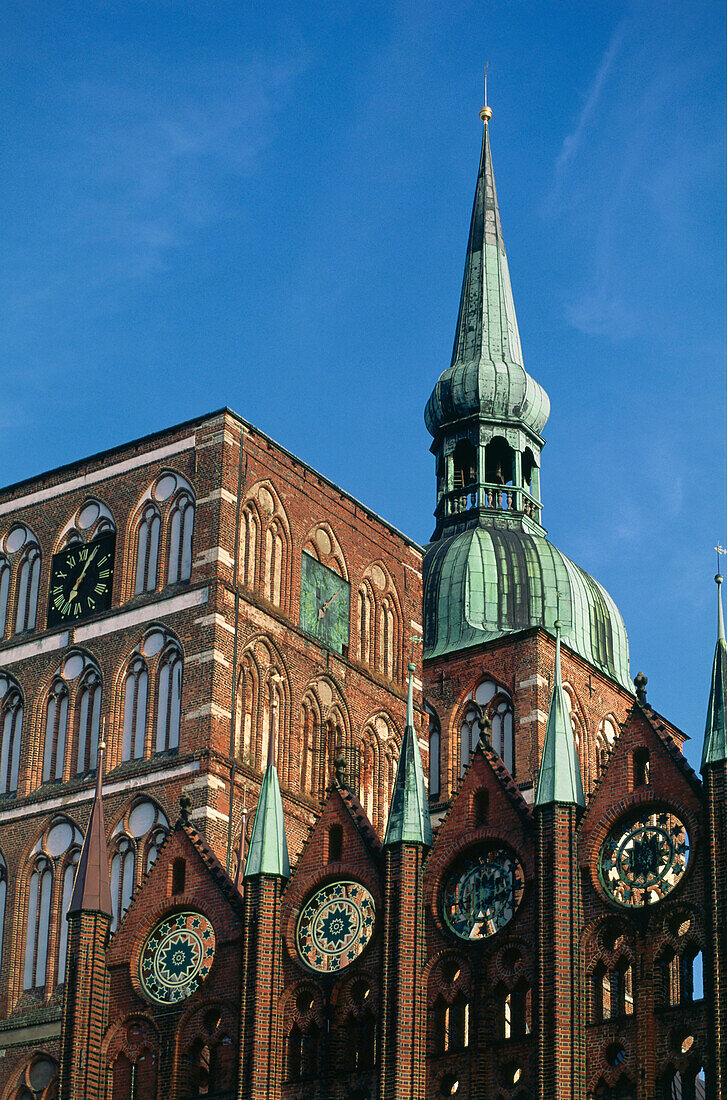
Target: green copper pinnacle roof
[487, 582]
[715, 734]
[268, 851]
[409, 821]
[487, 375]
[560, 775]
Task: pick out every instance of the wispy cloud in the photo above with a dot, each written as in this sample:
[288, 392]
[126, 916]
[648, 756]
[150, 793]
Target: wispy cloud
[573, 141]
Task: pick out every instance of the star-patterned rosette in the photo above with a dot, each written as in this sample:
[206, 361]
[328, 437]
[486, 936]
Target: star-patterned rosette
[177, 957]
[335, 926]
[482, 893]
[643, 860]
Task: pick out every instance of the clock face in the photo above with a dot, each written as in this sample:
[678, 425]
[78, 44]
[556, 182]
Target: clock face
[643, 859]
[335, 926]
[325, 600]
[81, 580]
[482, 893]
[177, 957]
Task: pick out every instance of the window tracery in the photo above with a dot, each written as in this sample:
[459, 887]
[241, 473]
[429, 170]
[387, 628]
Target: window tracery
[152, 696]
[20, 562]
[132, 1060]
[378, 752]
[136, 842]
[72, 718]
[262, 709]
[53, 867]
[163, 533]
[266, 542]
[38, 1080]
[488, 711]
[613, 990]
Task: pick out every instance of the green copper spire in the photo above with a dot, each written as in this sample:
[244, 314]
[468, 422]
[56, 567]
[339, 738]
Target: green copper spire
[560, 774]
[715, 734]
[268, 851]
[487, 375]
[409, 821]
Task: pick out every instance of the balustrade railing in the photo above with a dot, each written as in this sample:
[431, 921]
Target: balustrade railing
[496, 497]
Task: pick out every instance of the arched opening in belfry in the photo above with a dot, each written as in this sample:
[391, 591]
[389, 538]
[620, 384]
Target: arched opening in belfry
[465, 464]
[529, 465]
[499, 462]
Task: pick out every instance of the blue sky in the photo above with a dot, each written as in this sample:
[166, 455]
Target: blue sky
[266, 206]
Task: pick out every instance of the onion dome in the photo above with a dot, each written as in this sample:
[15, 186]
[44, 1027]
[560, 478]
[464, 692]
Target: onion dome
[487, 377]
[487, 582]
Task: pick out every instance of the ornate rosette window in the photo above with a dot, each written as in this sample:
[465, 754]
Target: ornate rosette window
[482, 893]
[177, 957]
[335, 926]
[644, 857]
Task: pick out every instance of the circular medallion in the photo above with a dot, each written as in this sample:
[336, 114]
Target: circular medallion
[482, 893]
[643, 860]
[177, 957]
[335, 926]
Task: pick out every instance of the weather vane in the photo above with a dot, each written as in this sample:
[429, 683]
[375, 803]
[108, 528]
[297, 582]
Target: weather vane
[720, 550]
[486, 111]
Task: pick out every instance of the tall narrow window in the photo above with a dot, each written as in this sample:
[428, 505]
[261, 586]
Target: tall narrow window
[641, 768]
[4, 593]
[28, 581]
[56, 724]
[435, 744]
[135, 699]
[38, 925]
[364, 624]
[502, 740]
[122, 879]
[147, 549]
[470, 731]
[69, 873]
[137, 840]
[251, 524]
[181, 528]
[170, 701]
[273, 564]
[11, 727]
[89, 721]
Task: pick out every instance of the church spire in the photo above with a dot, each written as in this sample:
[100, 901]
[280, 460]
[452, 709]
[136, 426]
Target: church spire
[409, 821]
[486, 413]
[715, 734]
[560, 775]
[91, 886]
[268, 850]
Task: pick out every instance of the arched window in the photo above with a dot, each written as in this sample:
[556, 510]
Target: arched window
[11, 730]
[251, 529]
[459, 1023]
[38, 1081]
[499, 467]
[169, 699]
[56, 728]
[88, 722]
[360, 1030]
[613, 991]
[147, 549]
[369, 769]
[365, 612]
[435, 744]
[181, 528]
[303, 1052]
[310, 728]
[49, 893]
[136, 689]
[605, 740]
[465, 464]
[274, 552]
[4, 593]
[493, 703]
[27, 589]
[136, 842]
[642, 767]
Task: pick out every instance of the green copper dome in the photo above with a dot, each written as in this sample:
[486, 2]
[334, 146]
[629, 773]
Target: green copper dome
[487, 582]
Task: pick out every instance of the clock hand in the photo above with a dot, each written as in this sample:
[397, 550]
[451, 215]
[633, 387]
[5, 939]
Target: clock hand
[81, 575]
[324, 607]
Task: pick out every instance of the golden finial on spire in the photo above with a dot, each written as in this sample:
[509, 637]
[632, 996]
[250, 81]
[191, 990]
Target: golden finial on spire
[486, 112]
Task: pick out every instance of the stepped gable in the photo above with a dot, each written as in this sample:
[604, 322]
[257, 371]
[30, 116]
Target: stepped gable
[503, 816]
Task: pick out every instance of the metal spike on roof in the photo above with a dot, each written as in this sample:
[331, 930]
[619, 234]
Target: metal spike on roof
[560, 774]
[268, 850]
[715, 733]
[409, 821]
[91, 886]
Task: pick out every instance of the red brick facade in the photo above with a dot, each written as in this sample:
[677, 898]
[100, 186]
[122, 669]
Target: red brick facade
[571, 994]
